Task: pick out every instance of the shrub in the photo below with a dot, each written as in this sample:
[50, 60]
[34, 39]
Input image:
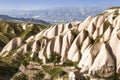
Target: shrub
[75, 32]
[7, 70]
[55, 58]
[106, 25]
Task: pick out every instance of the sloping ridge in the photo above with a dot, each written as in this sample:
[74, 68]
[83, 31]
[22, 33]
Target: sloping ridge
[93, 43]
[32, 20]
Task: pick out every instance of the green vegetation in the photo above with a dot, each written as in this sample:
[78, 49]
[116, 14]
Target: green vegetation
[9, 65]
[37, 60]
[9, 30]
[75, 32]
[3, 38]
[8, 69]
[32, 30]
[106, 25]
[70, 63]
[97, 40]
[54, 58]
[116, 13]
[55, 72]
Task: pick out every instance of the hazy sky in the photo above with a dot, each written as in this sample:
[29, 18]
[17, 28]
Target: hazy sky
[42, 4]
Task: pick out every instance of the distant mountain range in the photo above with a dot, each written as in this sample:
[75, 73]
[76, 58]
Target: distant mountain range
[32, 20]
[55, 15]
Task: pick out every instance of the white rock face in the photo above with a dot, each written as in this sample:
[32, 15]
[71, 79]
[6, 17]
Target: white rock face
[107, 33]
[103, 67]
[86, 60]
[76, 57]
[101, 29]
[87, 21]
[91, 28]
[49, 48]
[76, 44]
[58, 44]
[36, 47]
[115, 45]
[67, 27]
[100, 21]
[96, 33]
[80, 27]
[85, 44]
[60, 28]
[67, 41]
[52, 32]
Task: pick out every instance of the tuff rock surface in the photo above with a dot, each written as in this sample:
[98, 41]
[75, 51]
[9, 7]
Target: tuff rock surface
[93, 43]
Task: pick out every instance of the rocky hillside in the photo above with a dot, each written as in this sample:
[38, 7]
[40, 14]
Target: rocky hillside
[31, 20]
[9, 30]
[84, 50]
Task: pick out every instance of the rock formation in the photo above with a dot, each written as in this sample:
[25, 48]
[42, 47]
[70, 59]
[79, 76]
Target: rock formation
[93, 43]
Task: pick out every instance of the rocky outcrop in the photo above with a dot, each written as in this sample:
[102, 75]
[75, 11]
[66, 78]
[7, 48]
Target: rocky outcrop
[94, 44]
[33, 71]
[104, 67]
[12, 45]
